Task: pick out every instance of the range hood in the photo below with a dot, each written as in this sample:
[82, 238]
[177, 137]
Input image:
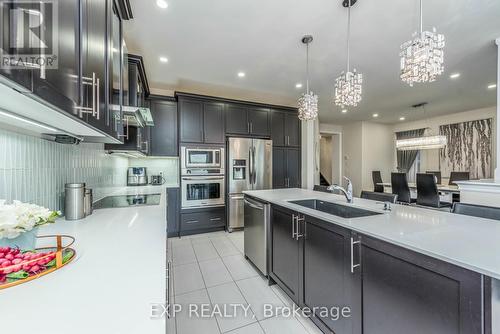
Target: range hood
[136, 116]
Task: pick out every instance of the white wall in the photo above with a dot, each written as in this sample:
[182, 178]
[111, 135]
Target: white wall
[325, 157]
[352, 152]
[378, 152]
[430, 158]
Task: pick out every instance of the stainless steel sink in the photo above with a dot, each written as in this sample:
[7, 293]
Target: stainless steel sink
[343, 211]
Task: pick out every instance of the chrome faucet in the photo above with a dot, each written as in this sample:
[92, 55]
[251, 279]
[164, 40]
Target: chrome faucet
[347, 193]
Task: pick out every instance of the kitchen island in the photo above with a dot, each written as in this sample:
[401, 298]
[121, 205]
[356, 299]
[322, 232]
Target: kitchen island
[409, 270]
[119, 271]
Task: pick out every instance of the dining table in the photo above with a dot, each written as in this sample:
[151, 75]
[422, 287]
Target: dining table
[443, 188]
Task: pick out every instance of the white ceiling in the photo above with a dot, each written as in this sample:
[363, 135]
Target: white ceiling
[208, 42]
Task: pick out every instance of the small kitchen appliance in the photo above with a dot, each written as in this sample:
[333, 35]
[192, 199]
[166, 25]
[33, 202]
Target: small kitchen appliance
[137, 176]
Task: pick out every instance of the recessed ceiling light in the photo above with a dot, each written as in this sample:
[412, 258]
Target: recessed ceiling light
[299, 85]
[454, 75]
[164, 59]
[492, 86]
[162, 4]
[402, 118]
[375, 115]
[344, 111]
[241, 74]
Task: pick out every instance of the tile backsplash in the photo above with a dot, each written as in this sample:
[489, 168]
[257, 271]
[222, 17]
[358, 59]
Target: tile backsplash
[35, 170]
[169, 167]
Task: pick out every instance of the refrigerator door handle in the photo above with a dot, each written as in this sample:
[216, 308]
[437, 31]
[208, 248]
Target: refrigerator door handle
[254, 172]
[250, 168]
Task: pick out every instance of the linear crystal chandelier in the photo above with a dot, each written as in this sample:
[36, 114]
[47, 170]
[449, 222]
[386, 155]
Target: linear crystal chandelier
[422, 58]
[308, 102]
[348, 86]
[426, 142]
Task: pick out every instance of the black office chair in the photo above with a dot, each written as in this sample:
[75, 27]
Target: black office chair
[318, 187]
[437, 174]
[458, 176]
[399, 185]
[381, 197]
[427, 192]
[377, 178]
[476, 210]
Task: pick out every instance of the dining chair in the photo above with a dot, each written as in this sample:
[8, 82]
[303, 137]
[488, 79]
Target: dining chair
[399, 185]
[474, 210]
[427, 192]
[377, 196]
[377, 179]
[458, 176]
[437, 174]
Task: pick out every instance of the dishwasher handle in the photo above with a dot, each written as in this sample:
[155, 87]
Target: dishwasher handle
[253, 204]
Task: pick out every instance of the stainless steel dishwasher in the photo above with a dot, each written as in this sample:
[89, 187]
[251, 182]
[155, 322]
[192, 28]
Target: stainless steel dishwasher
[257, 233]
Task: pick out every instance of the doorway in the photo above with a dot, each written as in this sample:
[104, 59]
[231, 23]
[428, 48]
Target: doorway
[330, 158]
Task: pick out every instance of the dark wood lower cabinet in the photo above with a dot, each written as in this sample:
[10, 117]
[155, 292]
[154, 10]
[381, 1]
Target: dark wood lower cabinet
[195, 221]
[407, 292]
[328, 280]
[285, 253]
[387, 288]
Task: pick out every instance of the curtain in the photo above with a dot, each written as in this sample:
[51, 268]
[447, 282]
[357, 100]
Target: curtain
[407, 158]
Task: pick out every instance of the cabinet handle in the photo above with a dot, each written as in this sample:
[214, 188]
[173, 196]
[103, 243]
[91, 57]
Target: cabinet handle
[214, 219]
[128, 130]
[354, 266]
[293, 226]
[297, 228]
[287, 140]
[168, 288]
[251, 127]
[191, 222]
[98, 104]
[248, 127]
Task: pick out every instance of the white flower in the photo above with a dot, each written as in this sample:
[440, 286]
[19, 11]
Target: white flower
[18, 217]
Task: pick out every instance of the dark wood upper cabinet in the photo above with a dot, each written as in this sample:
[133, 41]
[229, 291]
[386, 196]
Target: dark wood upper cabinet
[286, 128]
[278, 128]
[247, 120]
[61, 86]
[21, 76]
[213, 123]
[236, 120]
[259, 121]
[163, 134]
[292, 130]
[191, 121]
[93, 53]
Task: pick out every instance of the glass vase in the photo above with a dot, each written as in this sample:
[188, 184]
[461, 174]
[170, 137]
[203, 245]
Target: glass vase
[25, 241]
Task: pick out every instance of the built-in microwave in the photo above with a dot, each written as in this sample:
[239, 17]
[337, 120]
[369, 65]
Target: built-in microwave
[202, 191]
[202, 157]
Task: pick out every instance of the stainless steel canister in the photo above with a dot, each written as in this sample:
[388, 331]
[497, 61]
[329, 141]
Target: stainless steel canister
[74, 201]
[88, 209]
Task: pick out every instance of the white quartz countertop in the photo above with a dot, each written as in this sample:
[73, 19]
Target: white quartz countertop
[469, 242]
[119, 271]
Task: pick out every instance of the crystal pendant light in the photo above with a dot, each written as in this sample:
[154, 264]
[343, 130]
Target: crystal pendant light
[429, 142]
[422, 58]
[348, 86]
[308, 102]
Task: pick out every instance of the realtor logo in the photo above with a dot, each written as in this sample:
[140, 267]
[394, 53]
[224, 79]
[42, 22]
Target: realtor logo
[28, 34]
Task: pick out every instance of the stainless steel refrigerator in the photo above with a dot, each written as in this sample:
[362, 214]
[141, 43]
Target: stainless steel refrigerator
[250, 166]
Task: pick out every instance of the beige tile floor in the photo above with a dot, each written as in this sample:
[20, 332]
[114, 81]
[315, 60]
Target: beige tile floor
[211, 269]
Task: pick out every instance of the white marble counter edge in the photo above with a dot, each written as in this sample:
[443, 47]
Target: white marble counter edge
[348, 224]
